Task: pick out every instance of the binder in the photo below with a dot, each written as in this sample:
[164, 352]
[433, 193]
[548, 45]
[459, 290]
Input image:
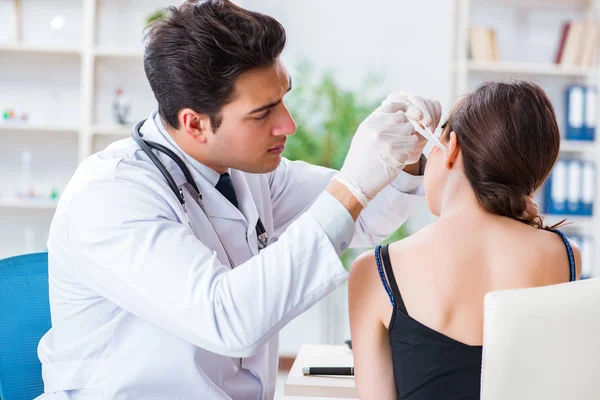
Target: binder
[575, 107]
[574, 192]
[588, 188]
[556, 189]
[591, 94]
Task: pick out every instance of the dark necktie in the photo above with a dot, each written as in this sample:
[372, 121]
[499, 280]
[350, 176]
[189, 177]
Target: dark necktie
[225, 187]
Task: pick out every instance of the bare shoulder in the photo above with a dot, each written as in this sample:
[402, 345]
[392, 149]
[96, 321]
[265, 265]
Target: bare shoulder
[363, 273]
[555, 251]
[364, 269]
[365, 288]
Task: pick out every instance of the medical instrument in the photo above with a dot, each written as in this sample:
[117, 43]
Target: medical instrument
[190, 186]
[426, 133]
[370, 165]
[328, 371]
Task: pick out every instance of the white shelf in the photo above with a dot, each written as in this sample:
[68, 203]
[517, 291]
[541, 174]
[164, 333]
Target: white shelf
[28, 203]
[577, 146]
[529, 68]
[39, 49]
[112, 130]
[116, 52]
[552, 4]
[37, 128]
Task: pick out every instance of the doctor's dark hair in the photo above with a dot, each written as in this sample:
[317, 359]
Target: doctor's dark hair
[195, 53]
[509, 139]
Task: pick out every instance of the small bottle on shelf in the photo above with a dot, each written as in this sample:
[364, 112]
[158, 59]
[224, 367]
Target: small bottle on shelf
[25, 182]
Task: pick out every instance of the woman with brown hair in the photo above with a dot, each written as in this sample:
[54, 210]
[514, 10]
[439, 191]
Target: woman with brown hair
[416, 308]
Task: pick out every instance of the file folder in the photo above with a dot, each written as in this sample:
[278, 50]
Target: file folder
[575, 115]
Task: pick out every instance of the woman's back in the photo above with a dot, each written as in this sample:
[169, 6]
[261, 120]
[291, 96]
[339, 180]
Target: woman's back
[435, 322]
[416, 308]
[466, 258]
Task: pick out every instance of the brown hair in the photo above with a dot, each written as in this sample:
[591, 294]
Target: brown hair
[509, 140]
[196, 52]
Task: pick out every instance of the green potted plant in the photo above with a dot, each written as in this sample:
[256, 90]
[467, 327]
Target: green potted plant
[327, 116]
[158, 14]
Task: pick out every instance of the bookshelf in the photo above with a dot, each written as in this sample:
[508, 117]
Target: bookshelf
[16, 47]
[65, 79]
[38, 128]
[554, 4]
[528, 33]
[41, 204]
[525, 68]
[115, 52]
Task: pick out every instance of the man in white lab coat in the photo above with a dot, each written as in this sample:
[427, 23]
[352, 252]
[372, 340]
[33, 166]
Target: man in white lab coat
[152, 299]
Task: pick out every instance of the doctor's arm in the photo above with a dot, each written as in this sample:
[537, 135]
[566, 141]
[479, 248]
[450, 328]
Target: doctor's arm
[138, 252]
[383, 144]
[295, 185]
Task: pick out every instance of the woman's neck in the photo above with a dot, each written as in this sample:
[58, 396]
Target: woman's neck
[459, 200]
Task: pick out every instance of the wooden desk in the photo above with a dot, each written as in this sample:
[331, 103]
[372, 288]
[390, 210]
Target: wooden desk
[297, 384]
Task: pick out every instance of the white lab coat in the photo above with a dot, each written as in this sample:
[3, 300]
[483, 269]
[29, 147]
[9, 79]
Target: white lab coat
[146, 307]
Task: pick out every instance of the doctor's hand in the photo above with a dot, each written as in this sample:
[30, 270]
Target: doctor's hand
[426, 112]
[379, 150]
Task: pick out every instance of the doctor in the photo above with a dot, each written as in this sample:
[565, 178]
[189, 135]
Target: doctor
[154, 296]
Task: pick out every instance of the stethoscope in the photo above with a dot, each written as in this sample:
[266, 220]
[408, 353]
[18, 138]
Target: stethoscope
[190, 186]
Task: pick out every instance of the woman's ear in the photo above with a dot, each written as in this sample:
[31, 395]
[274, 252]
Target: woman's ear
[452, 150]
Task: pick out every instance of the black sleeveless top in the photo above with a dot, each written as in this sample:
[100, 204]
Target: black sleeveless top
[427, 364]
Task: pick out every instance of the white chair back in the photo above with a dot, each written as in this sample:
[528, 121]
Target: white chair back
[542, 343]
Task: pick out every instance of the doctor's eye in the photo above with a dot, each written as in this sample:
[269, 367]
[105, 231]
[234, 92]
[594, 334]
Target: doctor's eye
[264, 115]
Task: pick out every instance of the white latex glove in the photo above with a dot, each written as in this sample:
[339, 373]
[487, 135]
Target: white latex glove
[426, 112]
[378, 152]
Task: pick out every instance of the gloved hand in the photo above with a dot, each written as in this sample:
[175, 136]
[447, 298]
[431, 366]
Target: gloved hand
[378, 152]
[426, 112]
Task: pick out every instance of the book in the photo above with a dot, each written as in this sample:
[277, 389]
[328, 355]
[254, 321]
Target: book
[572, 53]
[588, 42]
[483, 46]
[562, 42]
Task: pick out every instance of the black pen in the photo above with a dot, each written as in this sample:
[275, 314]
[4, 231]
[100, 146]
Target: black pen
[328, 371]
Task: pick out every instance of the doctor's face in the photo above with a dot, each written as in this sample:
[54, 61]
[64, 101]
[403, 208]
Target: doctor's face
[256, 123]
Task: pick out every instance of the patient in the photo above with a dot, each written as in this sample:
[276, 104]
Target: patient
[416, 310]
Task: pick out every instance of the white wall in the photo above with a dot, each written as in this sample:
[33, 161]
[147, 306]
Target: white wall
[407, 42]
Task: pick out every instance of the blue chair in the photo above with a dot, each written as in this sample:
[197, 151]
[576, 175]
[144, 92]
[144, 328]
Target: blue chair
[24, 319]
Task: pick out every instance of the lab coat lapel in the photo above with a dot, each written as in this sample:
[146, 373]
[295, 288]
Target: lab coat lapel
[247, 207]
[215, 204]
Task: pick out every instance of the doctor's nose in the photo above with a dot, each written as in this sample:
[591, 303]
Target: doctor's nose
[285, 124]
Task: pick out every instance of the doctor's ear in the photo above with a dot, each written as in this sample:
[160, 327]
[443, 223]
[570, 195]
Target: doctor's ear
[452, 150]
[194, 125]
